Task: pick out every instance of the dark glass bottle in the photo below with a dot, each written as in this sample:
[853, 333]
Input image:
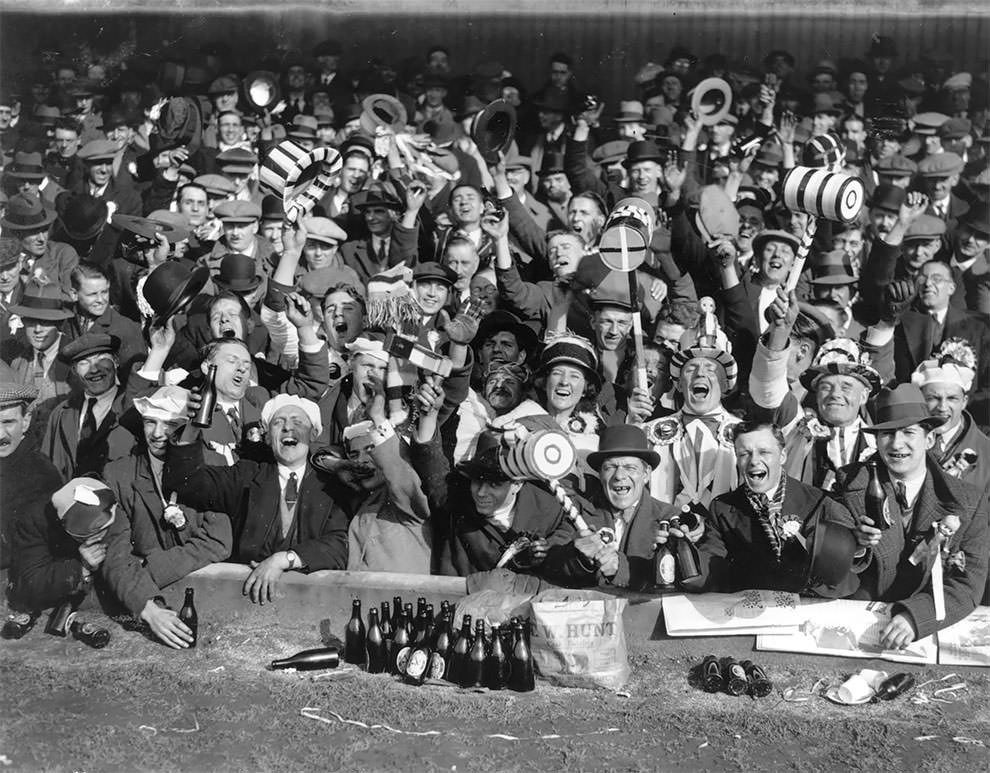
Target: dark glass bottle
[204, 416]
[420, 605]
[875, 497]
[431, 622]
[734, 677]
[664, 563]
[521, 676]
[711, 675]
[309, 660]
[459, 652]
[188, 616]
[386, 622]
[398, 652]
[687, 563]
[375, 645]
[473, 668]
[760, 685]
[17, 624]
[418, 665]
[354, 647]
[90, 634]
[410, 621]
[61, 617]
[496, 662]
[396, 612]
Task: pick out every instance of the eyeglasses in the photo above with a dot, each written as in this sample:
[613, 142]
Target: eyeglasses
[937, 281]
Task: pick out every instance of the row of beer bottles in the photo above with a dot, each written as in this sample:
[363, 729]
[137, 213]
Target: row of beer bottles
[421, 647]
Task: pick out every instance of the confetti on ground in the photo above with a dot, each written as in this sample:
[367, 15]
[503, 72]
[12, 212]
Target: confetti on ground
[925, 737]
[967, 740]
[216, 670]
[5, 760]
[703, 745]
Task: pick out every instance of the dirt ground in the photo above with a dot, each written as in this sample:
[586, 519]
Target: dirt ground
[138, 706]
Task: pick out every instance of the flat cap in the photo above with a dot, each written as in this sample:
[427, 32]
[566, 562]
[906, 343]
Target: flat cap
[925, 228]
[928, 123]
[215, 184]
[959, 81]
[87, 345]
[223, 85]
[323, 229]
[940, 165]
[896, 166]
[97, 149]
[610, 152]
[432, 271]
[237, 159]
[237, 211]
[16, 394]
[955, 128]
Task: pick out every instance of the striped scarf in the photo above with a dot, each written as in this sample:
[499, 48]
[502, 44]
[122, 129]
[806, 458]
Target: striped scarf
[767, 511]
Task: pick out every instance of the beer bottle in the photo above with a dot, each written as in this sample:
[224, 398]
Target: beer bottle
[896, 685]
[188, 616]
[61, 617]
[875, 498]
[204, 416]
[420, 605]
[410, 621]
[90, 634]
[687, 563]
[386, 622]
[473, 670]
[418, 664]
[760, 685]
[442, 643]
[400, 646]
[445, 608]
[431, 622]
[354, 646]
[18, 624]
[496, 663]
[711, 674]
[521, 677]
[459, 652]
[375, 645]
[664, 564]
[421, 628]
[396, 612]
[734, 677]
[309, 660]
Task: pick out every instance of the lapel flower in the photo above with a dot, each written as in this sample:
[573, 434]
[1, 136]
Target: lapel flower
[812, 428]
[956, 561]
[959, 463]
[790, 526]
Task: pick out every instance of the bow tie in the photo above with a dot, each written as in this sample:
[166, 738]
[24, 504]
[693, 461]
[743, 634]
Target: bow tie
[713, 422]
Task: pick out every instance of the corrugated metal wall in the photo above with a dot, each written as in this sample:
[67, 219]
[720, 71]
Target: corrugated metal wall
[610, 47]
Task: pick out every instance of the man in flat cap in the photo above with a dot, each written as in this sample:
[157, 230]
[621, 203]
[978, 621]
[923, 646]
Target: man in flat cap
[239, 220]
[29, 477]
[155, 541]
[99, 181]
[970, 260]
[939, 175]
[79, 438]
[281, 510]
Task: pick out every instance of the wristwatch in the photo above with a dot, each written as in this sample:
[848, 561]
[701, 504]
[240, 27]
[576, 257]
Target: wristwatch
[292, 557]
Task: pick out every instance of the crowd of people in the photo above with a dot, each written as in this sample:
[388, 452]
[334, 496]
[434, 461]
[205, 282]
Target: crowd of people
[188, 376]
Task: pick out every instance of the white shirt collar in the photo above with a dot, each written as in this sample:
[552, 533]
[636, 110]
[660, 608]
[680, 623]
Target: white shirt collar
[504, 516]
[284, 472]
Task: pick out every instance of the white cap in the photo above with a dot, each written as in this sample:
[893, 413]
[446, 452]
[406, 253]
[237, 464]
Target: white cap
[277, 403]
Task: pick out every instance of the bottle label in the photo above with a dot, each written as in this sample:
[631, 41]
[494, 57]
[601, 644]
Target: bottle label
[666, 567]
[438, 666]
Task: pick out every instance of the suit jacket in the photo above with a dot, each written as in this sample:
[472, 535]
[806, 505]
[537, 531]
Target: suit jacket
[567, 566]
[956, 209]
[735, 553]
[542, 214]
[57, 264]
[29, 480]
[123, 195]
[402, 248]
[973, 286]
[891, 577]
[61, 439]
[144, 552]
[915, 338]
[249, 492]
[969, 439]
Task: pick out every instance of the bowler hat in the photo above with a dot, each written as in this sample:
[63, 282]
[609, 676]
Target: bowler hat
[432, 271]
[26, 166]
[171, 286]
[976, 220]
[623, 440]
[238, 274]
[82, 216]
[41, 302]
[833, 547]
[500, 320]
[25, 212]
[10, 252]
[888, 198]
[272, 208]
[87, 345]
[553, 163]
[903, 406]
[642, 150]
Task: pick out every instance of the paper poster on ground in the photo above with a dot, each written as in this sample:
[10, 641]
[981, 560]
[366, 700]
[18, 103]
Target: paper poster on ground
[731, 614]
[848, 629]
[967, 643]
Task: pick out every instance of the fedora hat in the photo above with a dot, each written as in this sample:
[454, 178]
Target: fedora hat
[623, 440]
[493, 130]
[501, 320]
[833, 269]
[630, 111]
[81, 216]
[711, 100]
[485, 465]
[26, 166]
[238, 274]
[903, 407]
[382, 110]
[171, 286]
[41, 302]
[841, 357]
[25, 212]
[261, 89]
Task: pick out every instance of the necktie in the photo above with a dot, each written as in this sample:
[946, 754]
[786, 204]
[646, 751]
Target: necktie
[291, 491]
[39, 368]
[900, 491]
[89, 422]
[235, 422]
[938, 449]
[382, 254]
